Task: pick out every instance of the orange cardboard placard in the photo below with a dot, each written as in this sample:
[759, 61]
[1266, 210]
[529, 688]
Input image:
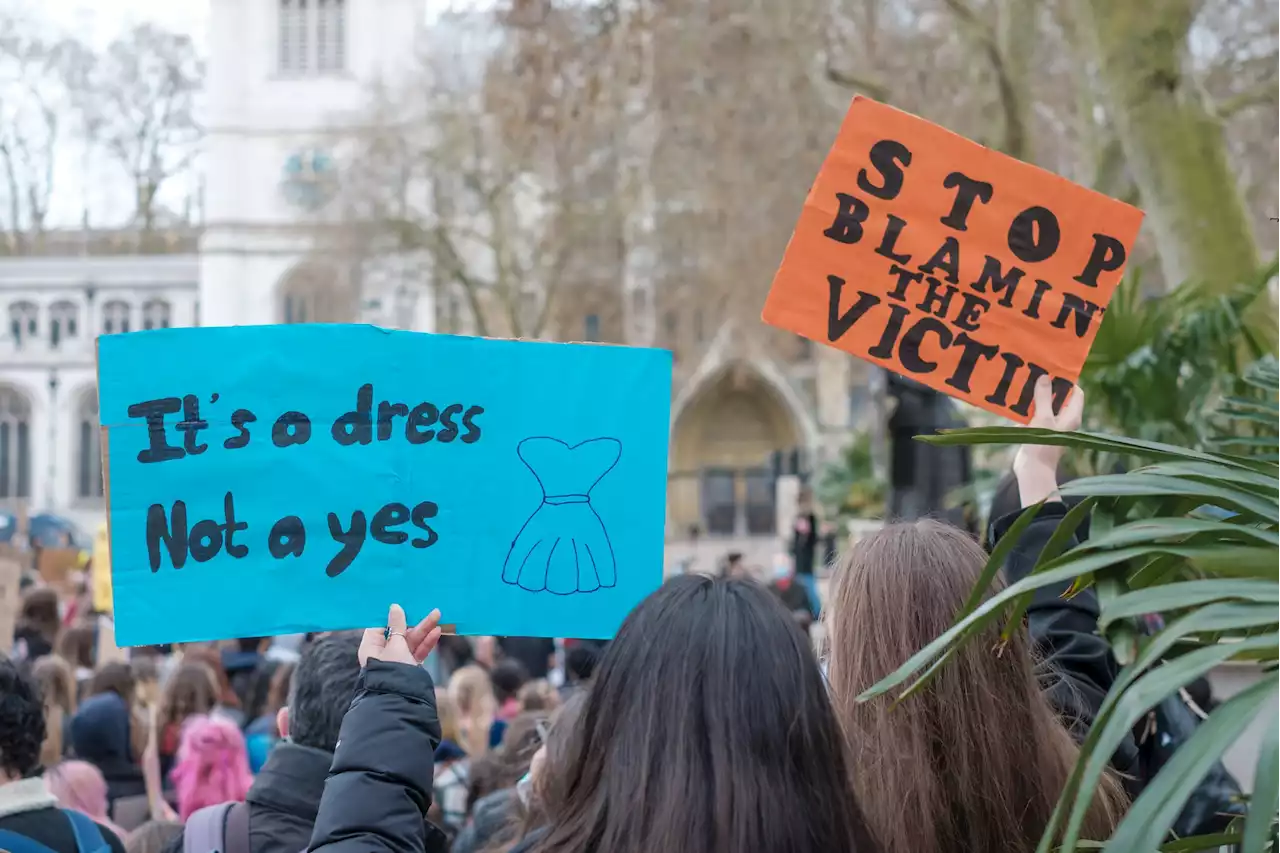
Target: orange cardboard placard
[949, 263]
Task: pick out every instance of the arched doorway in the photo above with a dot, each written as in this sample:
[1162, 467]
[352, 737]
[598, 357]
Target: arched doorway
[15, 444]
[314, 294]
[728, 447]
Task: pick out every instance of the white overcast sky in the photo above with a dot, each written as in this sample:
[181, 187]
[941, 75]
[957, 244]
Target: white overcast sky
[96, 22]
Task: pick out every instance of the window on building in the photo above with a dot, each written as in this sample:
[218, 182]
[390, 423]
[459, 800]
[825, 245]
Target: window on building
[312, 36]
[64, 322]
[15, 443]
[115, 317]
[155, 314]
[591, 327]
[89, 450]
[24, 322]
[331, 35]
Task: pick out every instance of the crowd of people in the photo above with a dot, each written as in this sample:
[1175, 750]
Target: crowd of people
[708, 724]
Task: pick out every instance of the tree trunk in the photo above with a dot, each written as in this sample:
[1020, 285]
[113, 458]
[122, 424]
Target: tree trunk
[1174, 146]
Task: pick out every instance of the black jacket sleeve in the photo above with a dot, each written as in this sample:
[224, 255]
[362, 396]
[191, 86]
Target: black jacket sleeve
[1064, 633]
[379, 786]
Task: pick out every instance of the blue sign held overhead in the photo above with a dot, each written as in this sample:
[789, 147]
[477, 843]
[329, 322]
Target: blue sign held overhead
[272, 479]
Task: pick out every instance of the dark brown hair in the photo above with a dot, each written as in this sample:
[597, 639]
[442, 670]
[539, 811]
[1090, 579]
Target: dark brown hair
[977, 759]
[191, 690]
[707, 730]
[40, 613]
[76, 645]
[114, 677]
[212, 658]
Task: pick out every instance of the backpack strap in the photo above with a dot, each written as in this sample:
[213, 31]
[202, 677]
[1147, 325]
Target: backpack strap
[89, 838]
[12, 842]
[205, 831]
[236, 832]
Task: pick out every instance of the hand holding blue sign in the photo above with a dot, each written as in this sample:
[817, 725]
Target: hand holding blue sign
[398, 643]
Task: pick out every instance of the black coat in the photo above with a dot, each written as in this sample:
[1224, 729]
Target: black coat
[1064, 632]
[379, 787]
[284, 800]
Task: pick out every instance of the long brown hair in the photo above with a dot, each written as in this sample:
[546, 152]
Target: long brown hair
[56, 682]
[191, 691]
[978, 758]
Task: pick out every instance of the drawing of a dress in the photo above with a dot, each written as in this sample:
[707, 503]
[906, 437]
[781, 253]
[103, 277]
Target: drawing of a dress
[563, 548]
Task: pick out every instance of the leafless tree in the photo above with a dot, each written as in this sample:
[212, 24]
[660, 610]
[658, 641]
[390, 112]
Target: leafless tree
[137, 101]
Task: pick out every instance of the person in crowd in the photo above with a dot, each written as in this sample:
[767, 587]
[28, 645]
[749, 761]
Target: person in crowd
[56, 682]
[580, 659]
[281, 807]
[154, 836]
[212, 765]
[491, 795]
[514, 815]
[76, 645]
[452, 770]
[146, 679]
[79, 785]
[263, 733]
[734, 565]
[794, 596]
[28, 811]
[114, 677]
[453, 654]
[228, 704]
[472, 692]
[101, 735]
[38, 625]
[192, 691]
[508, 676]
[241, 664]
[535, 654]
[806, 536]
[538, 696]
[940, 772]
[707, 728]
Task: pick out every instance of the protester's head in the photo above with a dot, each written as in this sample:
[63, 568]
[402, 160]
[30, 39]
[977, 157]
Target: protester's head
[56, 682]
[154, 836]
[472, 692]
[21, 723]
[39, 613]
[253, 645]
[212, 766]
[504, 766]
[100, 730]
[79, 786]
[734, 565]
[191, 691]
[114, 677]
[508, 676]
[538, 695]
[580, 661]
[551, 764]
[77, 645]
[941, 771]
[447, 712]
[257, 696]
[212, 658]
[146, 677]
[323, 683]
[708, 710]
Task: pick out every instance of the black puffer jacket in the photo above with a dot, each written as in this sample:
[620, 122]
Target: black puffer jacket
[379, 786]
[1065, 634]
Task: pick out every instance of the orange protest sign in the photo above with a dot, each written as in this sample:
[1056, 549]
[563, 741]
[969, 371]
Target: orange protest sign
[949, 263]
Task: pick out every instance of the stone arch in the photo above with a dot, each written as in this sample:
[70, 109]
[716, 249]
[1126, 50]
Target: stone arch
[315, 293]
[16, 443]
[89, 484]
[734, 429]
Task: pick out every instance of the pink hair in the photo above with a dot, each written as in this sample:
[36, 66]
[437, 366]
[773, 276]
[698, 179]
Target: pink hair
[79, 786]
[212, 765]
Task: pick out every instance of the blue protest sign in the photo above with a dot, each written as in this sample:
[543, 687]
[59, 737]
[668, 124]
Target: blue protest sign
[272, 479]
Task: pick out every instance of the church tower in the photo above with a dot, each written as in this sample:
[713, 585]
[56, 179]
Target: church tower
[287, 79]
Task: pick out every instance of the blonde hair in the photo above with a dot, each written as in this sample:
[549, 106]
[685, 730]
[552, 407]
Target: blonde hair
[538, 695]
[977, 759]
[472, 692]
[56, 681]
[447, 711]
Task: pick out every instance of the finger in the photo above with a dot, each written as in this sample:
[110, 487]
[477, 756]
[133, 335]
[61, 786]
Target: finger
[1073, 411]
[426, 645]
[373, 642]
[417, 633]
[1042, 416]
[396, 620]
